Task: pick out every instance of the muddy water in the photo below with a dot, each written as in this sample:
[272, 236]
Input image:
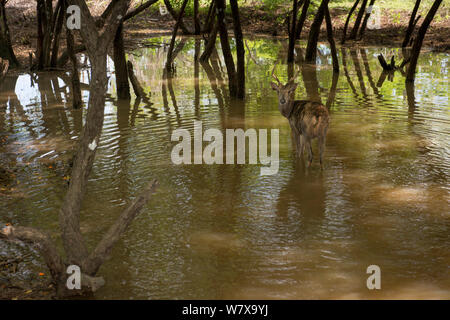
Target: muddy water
[225, 231]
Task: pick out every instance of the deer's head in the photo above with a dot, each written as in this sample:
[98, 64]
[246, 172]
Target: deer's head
[286, 93]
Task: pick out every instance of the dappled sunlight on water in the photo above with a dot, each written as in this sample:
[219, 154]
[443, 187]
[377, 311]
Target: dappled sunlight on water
[225, 231]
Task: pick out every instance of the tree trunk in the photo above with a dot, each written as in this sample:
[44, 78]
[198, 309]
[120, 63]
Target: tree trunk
[74, 246]
[77, 101]
[311, 49]
[211, 44]
[197, 26]
[411, 25]
[228, 57]
[175, 16]
[197, 78]
[357, 24]
[239, 49]
[210, 18]
[415, 52]
[292, 33]
[366, 19]
[47, 25]
[120, 66]
[344, 33]
[302, 19]
[6, 50]
[331, 40]
[59, 21]
[169, 63]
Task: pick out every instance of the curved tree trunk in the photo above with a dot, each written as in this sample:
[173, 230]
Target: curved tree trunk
[331, 41]
[175, 16]
[302, 19]
[344, 33]
[415, 52]
[411, 25]
[169, 63]
[359, 17]
[311, 49]
[366, 19]
[210, 44]
[97, 43]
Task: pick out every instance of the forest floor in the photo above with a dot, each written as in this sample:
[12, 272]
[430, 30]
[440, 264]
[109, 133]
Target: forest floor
[256, 21]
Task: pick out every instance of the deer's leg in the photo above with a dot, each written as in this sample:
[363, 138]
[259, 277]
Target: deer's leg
[321, 149]
[301, 145]
[310, 153]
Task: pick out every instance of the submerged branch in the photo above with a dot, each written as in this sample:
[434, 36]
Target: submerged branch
[104, 247]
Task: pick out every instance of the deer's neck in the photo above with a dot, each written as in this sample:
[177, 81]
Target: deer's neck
[294, 105]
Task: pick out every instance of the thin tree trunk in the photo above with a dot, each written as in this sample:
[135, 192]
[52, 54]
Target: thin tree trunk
[40, 38]
[232, 80]
[311, 49]
[210, 17]
[302, 19]
[169, 63]
[359, 17]
[120, 66]
[331, 40]
[411, 24]
[48, 32]
[59, 17]
[197, 78]
[175, 16]
[344, 33]
[415, 52]
[197, 26]
[77, 101]
[211, 44]
[239, 49]
[292, 33]
[366, 19]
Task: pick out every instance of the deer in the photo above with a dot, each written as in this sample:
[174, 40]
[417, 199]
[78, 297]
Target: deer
[308, 119]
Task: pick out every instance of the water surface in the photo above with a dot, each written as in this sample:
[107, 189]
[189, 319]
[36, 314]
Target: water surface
[225, 231]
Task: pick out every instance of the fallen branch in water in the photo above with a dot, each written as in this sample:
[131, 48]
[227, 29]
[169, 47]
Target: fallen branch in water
[391, 66]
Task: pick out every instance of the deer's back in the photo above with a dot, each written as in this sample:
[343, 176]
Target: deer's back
[310, 118]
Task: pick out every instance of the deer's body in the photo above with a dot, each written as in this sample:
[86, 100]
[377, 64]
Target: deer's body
[308, 119]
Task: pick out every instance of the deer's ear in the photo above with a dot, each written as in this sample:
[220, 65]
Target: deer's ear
[293, 87]
[274, 86]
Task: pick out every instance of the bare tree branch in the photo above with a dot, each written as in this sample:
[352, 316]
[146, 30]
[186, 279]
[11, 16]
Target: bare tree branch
[104, 247]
